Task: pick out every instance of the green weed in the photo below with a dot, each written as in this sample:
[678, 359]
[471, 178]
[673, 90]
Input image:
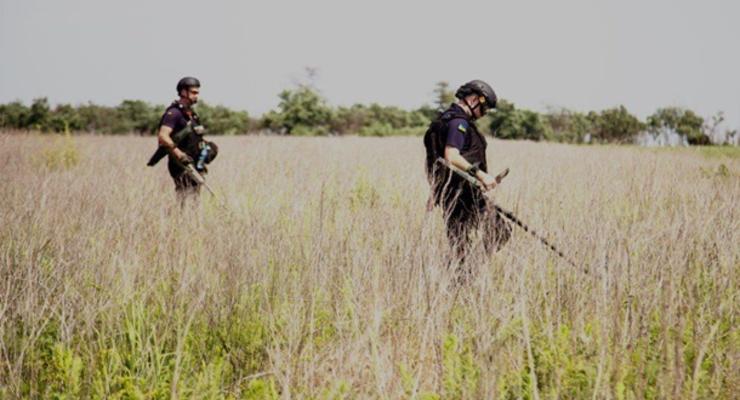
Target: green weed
[62, 155]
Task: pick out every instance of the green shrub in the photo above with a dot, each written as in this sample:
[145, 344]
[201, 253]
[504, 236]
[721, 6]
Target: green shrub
[460, 372]
[303, 130]
[680, 120]
[567, 126]
[507, 122]
[615, 125]
[62, 155]
[301, 111]
[220, 120]
[261, 389]
[64, 374]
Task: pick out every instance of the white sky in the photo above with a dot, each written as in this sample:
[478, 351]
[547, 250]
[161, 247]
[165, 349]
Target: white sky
[580, 54]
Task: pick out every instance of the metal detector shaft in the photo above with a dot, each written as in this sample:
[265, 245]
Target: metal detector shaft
[507, 214]
[199, 178]
[190, 170]
[527, 229]
[202, 181]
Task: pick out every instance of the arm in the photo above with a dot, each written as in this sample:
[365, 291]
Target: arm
[453, 156]
[165, 140]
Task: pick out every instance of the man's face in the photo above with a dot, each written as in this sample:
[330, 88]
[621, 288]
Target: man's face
[191, 94]
[479, 105]
[483, 108]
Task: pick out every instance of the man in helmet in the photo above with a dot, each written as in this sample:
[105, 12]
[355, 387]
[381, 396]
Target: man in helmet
[455, 137]
[180, 123]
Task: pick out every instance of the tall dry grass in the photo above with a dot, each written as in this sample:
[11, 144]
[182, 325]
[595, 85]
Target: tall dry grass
[327, 279]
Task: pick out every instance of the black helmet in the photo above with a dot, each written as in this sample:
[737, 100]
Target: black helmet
[480, 88]
[186, 83]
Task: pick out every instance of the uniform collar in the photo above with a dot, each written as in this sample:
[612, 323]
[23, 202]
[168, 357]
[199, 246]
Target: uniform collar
[184, 108]
[456, 111]
[178, 103]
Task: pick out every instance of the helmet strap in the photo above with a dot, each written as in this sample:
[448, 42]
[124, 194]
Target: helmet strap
[471, 108]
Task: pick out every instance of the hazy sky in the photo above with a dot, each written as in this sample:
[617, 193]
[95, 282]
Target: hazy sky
[580, 54]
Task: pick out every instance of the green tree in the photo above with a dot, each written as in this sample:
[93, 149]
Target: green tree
[38, 117]
[680, 120]
[14, 115]
[507, 122]
[300, 111]
[443, 96]
[378, 120]
[220, 120]
[567, 126]
[615, 125]
[396, 117]
[429, 112]
[65, 118]
[95, 118]
[135, 116]
[348, 120]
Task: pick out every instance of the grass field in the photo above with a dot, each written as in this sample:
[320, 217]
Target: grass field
[326, 279]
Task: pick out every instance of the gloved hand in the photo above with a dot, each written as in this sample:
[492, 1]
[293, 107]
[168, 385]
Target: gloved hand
[182, 156]
[488, 181]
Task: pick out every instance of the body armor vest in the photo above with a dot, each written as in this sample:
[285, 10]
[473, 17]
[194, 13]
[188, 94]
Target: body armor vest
[474, 150]
[186, 139]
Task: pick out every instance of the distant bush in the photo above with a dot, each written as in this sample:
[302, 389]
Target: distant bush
[304, 130]
[682, 121]
[65, 118]
[131, 116]
[303, 111]
[220, 120]
[507, 122]
[14, 115]
[377, 120]
[300, 108]
[62, 155]
[376, 129]
[615, 125]
[98, 119]
[351, 119]
[39, 114]
[385, 129]
[568, 126]
[136, 116]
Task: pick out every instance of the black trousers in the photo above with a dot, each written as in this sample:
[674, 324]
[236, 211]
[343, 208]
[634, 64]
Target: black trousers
[184, 183]
[466, 211]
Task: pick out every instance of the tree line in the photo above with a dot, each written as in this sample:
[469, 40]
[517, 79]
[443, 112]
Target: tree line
[302, 111]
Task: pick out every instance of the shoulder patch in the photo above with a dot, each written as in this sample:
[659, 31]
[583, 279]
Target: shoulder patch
[169, 112]
[461, 127]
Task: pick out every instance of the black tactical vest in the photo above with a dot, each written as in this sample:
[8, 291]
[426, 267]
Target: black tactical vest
[190, 143]
[474, 150]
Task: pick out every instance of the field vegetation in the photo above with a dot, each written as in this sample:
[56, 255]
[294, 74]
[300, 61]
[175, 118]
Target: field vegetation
[303, 111]
[327, 279]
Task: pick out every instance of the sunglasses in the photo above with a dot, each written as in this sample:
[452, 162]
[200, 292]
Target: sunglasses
[483, 104]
